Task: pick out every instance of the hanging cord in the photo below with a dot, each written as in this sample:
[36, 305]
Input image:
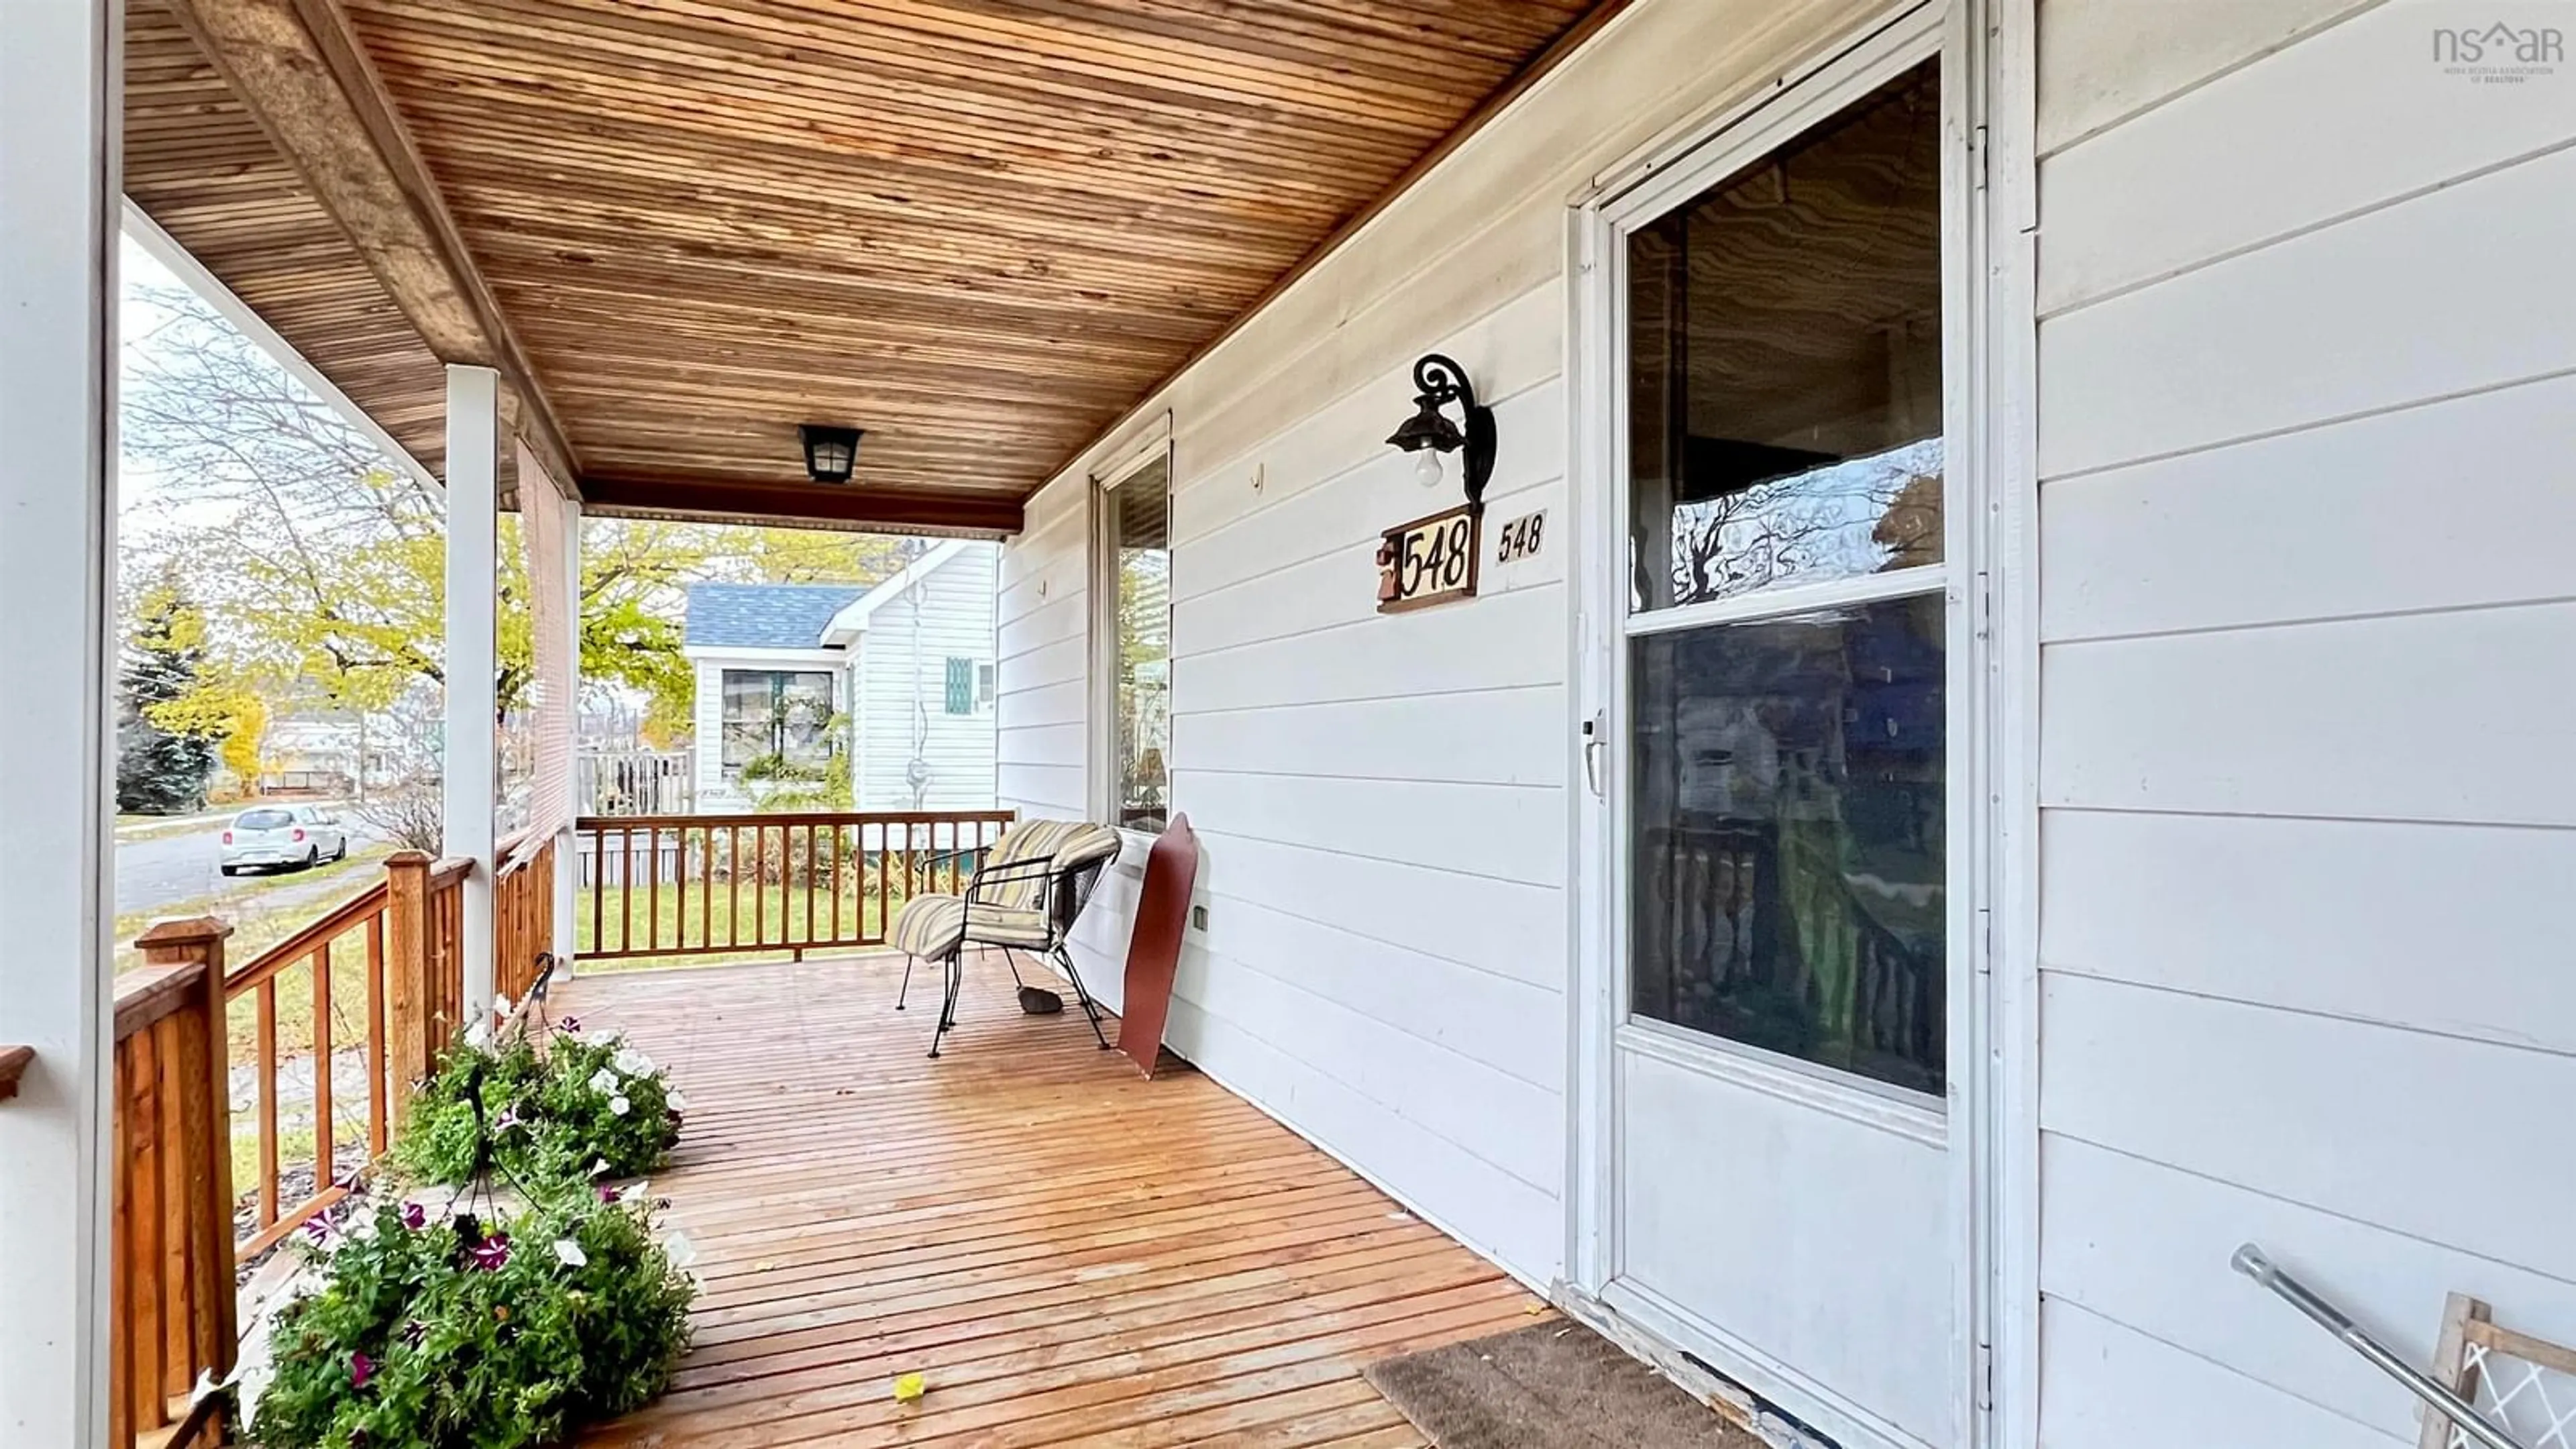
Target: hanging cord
[476, 1190]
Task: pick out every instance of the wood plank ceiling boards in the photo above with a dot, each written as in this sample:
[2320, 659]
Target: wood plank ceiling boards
[982, 230]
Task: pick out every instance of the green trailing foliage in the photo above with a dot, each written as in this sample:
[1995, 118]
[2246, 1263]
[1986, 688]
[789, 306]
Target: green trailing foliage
[429, 1333]
[557, 1110]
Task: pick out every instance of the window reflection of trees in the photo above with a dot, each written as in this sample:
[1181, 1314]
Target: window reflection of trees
[1841, 520]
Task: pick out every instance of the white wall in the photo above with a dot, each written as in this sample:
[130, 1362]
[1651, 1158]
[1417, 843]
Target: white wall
[899, 666]
[2308, 533]
[1381, 800]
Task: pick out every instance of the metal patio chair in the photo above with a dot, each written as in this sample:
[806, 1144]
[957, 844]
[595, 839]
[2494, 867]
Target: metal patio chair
[1027, 890]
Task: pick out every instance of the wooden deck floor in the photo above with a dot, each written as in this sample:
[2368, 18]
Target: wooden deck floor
[1070, 1254]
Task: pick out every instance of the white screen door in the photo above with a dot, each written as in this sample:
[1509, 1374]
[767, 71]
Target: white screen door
[1775, 676]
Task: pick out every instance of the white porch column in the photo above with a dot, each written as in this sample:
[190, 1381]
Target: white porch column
[59, 183]
[567, 858]
[472, 765]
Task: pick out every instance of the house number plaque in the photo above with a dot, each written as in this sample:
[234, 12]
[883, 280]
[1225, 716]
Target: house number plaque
[1430, 560]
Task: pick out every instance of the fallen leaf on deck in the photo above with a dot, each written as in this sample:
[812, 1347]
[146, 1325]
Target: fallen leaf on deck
[909, 1387]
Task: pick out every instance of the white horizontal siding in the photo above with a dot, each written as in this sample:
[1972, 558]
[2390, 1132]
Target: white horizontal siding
[2387, 1125]
[2148, 1245]
[2449, 293]
[2346, 120]
[2396, 923]
[2308, 454]
[2112, 1387]
[2104, 61]
[1381, 798]
[1043, 618]
[903, 686]
[2427, 508]
[2448, 717]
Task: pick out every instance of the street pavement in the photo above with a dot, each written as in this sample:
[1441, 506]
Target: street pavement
[158, 870]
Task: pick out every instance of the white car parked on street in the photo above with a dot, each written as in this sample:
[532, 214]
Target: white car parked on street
[297, 836]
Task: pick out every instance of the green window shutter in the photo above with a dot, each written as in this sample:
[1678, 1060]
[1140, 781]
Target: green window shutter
[961, 685]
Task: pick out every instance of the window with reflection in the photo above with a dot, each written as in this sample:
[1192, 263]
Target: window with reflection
[1788, 761]
[778, 715]
[1785, 364]
[1138, 552]
[1790, 861]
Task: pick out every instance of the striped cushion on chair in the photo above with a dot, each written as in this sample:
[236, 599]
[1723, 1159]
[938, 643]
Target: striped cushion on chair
[1012, 913]
[932, 926]
[1064, 844]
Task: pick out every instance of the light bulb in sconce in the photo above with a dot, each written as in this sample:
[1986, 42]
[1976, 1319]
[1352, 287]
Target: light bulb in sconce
[1426, 468]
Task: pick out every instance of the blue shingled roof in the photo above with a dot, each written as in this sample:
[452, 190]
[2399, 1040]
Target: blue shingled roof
[764, 616]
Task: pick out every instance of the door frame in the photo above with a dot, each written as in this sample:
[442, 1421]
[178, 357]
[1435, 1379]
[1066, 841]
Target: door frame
[1988, 1123]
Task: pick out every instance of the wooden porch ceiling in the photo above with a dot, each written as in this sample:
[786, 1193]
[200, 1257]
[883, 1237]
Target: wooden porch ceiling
[980, 229]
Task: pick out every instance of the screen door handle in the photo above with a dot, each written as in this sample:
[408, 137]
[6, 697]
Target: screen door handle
[1593, 744]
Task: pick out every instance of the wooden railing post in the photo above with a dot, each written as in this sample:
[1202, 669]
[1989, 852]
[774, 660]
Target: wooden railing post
[410, 1040]
[195, 1234]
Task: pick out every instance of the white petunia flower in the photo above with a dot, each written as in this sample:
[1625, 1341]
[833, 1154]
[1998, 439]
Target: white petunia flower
[678, 1100]
[604, 1080]
[569, 1253]
[479, 1035]
[680, 1250]
[619, 1106]
[500, 1004]
[605, 1036]
[599, 1168]
[632, 1062]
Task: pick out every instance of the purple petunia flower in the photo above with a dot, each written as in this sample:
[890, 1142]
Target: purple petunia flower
[569, 1025]
[414, 1216]
[491, 1252]
[609, 1194]
[324, 1233]
[413, 1332]
[361, 1369]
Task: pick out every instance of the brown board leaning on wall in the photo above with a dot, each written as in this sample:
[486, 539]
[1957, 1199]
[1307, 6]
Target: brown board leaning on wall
[1154, 947]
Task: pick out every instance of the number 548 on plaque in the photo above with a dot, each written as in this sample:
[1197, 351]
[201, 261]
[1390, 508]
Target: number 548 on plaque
[1430, 560]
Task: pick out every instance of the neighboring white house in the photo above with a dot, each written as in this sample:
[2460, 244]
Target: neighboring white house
[899, 675]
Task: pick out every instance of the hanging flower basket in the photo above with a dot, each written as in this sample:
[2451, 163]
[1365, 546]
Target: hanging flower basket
[432, 1332]
[542, 1110]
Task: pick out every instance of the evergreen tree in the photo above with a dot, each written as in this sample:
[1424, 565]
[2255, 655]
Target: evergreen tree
[160, 771]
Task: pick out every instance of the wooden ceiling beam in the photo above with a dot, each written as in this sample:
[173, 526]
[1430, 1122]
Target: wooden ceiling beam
[834, 506]
[300, 71]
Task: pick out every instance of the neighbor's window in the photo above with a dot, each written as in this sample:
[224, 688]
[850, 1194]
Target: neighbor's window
[1137, 549]
[1789, 751]
[960, 683]
[782, 712]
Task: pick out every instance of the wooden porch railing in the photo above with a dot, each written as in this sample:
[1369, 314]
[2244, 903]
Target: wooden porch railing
[523, 915]
[171, 1263]
[379, 979]
[693, 885]
[398, 947]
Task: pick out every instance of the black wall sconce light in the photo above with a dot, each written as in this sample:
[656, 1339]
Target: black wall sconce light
[1439, 381]
[830, 452]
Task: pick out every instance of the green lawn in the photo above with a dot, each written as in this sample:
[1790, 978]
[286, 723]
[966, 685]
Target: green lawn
[742, 921]
[263, 912]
